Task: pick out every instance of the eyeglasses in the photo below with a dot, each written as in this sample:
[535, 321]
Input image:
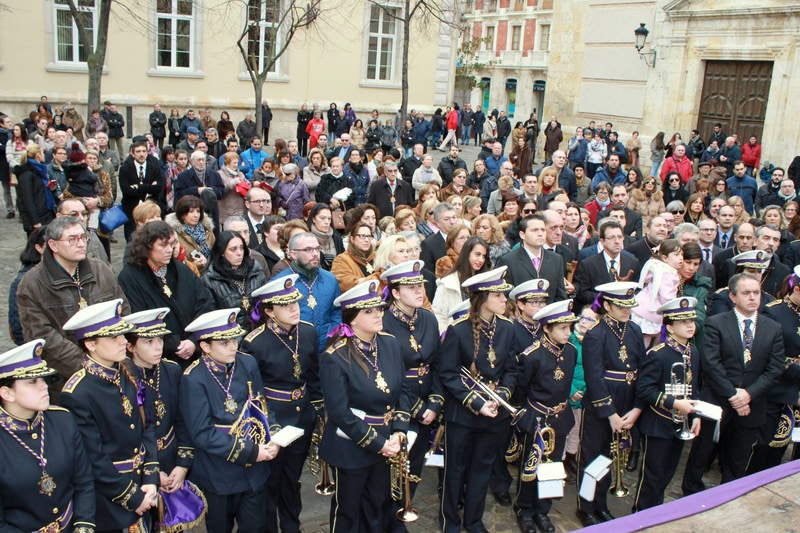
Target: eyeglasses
[75, 239]
[262, 201]
[81, 214]
[678, 212]
[674, 180]
[529, 211]
[309, 250]
[363, 236]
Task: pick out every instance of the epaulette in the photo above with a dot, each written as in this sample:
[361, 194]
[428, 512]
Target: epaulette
[720, 290]
[385, 333]
[57, 408]
[503, 317]
[191, 367]
[596, 323]
[73, 381]
[775, 302]
[532, 348]
[657, 347]
[255, 333]
[307, 322]
[170, 362]
[333, 347]
[460, 320]
[796, 240]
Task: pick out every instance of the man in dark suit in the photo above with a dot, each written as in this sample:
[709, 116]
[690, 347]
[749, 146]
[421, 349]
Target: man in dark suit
[742, 357]
[593, 246]
[567, 240]
[554, 236]
[768, 239]
[723, 266]
[633, 220]
[433, 246]
[531, 260]
[258, 204]
[198, 180]
[656, 232]
[755, 263]
[613, 264]
[389, 192]
[410, 164]
[726, 227]
[707, 240]
[140, 179]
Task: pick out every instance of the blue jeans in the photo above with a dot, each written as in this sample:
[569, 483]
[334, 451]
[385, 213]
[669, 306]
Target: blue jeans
[465, 131]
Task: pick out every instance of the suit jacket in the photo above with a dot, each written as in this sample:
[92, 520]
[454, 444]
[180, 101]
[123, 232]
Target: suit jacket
[724, 369]
[380, 195]
[432, 249]
[715, 251]
[642, 249]
[187, 183]
[152, 187]
[592, 272]
[775, 273]
[520, 269]
[633, 222]
[723, 267]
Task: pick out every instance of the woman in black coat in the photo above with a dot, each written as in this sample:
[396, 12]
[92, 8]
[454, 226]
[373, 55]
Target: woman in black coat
[233, 275]
[35, 201]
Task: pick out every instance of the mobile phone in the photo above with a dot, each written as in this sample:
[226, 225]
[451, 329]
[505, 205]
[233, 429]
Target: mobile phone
[195, 254]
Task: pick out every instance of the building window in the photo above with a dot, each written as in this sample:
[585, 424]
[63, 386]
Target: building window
[491, 5]
[382, 41]
[488, 42]
[516, 37]
[67, 42]
[263, 18]
[544, 37]
[175, 29]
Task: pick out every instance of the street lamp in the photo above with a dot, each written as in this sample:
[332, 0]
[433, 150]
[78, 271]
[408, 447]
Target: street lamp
[641, 34]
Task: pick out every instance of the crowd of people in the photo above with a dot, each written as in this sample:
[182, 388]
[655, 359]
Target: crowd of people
[389, 305]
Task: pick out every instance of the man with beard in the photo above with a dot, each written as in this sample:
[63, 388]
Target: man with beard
[318, 287]
[768, 238]
[619, 198]
[656, 232]
[767, 194]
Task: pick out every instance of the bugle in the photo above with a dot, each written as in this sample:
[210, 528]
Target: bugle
[620, 451]
[401, 478]
[490, 395]
[326, 486]
[680, 388]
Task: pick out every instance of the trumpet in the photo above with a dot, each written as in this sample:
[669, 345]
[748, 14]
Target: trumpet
[490, 395]
[326, 486]
[401, 479]
[680, 387]
[620, 450]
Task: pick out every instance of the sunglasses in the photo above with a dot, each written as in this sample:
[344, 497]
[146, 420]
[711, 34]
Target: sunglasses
[678, 212]
[529, 211]
[674, 180]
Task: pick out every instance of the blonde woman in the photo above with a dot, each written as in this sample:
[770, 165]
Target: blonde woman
[487, 227]
[427, 224]
[742, 216]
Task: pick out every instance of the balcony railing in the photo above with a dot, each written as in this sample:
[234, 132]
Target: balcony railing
[515, 58]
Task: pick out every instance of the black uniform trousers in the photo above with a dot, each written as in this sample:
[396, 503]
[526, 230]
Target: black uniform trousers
[660, 459]
[501, 479]
[285, 503]
[700, 457]
[766, 456]
[595, 440]
[245, 508]
[469, 455]
[361, 503]
[528, 501]
[736, 444]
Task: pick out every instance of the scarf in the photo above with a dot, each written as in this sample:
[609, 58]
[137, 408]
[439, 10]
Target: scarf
[198, 235]
[786, 198]
[226, 270]
[325, 240]
[602, 203]
[41, 170]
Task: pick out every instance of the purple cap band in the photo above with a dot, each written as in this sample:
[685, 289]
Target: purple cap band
[81, 333]
[368, 296]
[551, 318]
[459, 314]
[283, 292]
[22, 364]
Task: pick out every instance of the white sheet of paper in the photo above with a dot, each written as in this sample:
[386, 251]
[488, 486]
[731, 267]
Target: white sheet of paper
[550, 471]
[588, 487]
[796, 434]
[708, 410]
[553, 488]
[436, 460]
[411, 436]
[359, 413]
[599, 467]
[287, 435]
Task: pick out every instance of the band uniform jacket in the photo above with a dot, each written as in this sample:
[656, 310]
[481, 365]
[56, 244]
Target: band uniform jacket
[426, 389]
[23, 507]
[462, 404]
[526, 332]
[654, 374]
[223, 463]
[609, 371]
[520, 269]
[545, 380]
[121, 449]
[291, 396]
[384, 397]
[787, 315]
[724, 369]
[161, 387]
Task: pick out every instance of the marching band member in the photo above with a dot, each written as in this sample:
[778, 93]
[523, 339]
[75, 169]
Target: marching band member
[215, 397]
[483, 342]
[120, 445]
[417, 333]
[159, 384]
[610, 373]
[547, 367]
[46, 479]
[367, 400]
[529, 297]
[674, 361]
[285, 349]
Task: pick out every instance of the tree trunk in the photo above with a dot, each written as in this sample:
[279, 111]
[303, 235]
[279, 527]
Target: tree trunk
[404, 72]
[258, 89]
[95, 83]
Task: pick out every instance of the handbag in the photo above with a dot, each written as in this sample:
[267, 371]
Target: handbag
[337, 219]
[112, 218]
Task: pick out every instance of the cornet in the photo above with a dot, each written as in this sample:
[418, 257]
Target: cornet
[620, 450]
[680, 387]
[401, 478]
[491, 395]
[325, 487]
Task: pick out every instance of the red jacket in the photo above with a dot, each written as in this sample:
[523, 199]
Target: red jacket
[682, 167]
[594, 208]
[751, 155]
[452, 120]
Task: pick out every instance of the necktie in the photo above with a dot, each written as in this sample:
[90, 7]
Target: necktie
[537, 262]
[707, 255]
[723, 241]
[748, 339]
[141, 173]
[612, 271]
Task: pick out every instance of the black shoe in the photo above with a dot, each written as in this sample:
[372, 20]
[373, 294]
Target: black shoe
[502, 498]
[587, 519]
[526, 523]
[603, 516]
[633, 461]
[544, 523]
[10, 215]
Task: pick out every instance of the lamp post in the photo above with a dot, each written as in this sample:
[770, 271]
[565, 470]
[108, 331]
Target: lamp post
[641, 34]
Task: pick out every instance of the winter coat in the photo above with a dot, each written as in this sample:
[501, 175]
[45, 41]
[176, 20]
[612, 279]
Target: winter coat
[115, 124]
[231, 202]
[553, 138]
[158, 123]
[503, 128]
[32, 197]
[292, 196]
[646, 206]
[358, 137]
[226, 294]
[388, 136]
[682, 167]
[312, 177]
[328, 185]
[81, 181]
[186, 240]
[246, 130]
[373, 137]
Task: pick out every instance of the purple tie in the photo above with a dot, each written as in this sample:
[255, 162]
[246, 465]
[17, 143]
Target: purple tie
[537, 262]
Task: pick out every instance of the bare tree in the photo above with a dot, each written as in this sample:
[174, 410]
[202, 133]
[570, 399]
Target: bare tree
[268, 31]
[95, 50]
[425, 12]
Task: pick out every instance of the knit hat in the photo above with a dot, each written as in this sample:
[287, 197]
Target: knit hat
[76, 155]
